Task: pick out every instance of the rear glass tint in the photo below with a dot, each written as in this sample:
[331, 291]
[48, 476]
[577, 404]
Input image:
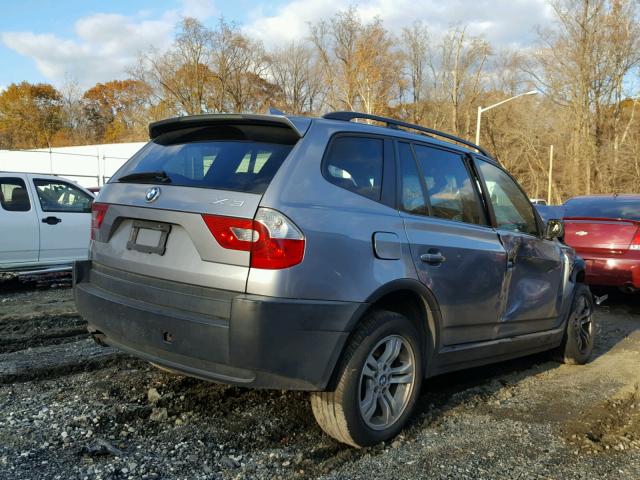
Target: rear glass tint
[604, 207]
[224, 158]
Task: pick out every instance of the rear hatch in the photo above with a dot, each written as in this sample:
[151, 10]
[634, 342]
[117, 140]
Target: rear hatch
[152, 216]
[602, 225]
[604, 236]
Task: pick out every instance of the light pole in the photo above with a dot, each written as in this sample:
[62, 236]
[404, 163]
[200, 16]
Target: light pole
[481, 109]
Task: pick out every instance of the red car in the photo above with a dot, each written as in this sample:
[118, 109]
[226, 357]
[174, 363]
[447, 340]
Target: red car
[604, 231]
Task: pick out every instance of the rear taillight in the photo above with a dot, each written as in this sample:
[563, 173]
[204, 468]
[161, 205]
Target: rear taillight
[635, 243]
[273, 240]
[98, 211]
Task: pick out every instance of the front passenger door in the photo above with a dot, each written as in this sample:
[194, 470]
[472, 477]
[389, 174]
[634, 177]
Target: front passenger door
[534, 266]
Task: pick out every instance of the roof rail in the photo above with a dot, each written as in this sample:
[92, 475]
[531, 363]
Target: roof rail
[392, 123]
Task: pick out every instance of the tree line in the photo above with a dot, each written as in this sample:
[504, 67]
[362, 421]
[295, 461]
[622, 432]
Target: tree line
[584, 64]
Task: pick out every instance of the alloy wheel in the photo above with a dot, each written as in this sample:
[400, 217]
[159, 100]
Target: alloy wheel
[386, 382]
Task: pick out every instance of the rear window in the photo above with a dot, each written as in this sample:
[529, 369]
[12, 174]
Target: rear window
[605, 207]
[224, 157]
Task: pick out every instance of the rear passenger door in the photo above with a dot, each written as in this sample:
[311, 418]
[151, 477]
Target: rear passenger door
[18, 224]
[458, 256]
[534, 265]
[64, 211]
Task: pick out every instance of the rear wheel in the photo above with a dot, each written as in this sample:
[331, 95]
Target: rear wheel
[579, 337]
[378, 382]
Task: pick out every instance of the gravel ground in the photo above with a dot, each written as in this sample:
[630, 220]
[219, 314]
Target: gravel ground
[70, 409]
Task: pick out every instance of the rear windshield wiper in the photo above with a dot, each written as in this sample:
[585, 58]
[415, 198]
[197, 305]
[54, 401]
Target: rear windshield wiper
[146, 177]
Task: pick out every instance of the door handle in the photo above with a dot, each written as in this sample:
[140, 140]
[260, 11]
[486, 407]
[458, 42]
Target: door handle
[432, 258]
[51, 220]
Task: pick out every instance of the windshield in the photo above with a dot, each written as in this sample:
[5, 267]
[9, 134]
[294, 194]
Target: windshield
[604, 207]
[207, 158]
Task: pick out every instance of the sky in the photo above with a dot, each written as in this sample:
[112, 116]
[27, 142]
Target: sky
[91, 41]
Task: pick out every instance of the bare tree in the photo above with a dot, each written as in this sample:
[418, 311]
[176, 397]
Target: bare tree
[336, 43]
[359, 61]
[240, 67]
[378, 64]
[296, 71]
[415, 40]
[462, 60]
[582, 65]
[181, 78]
[455, 77]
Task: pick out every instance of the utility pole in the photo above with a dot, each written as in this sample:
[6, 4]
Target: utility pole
[550, 175]
[478, 118]
[50, 159]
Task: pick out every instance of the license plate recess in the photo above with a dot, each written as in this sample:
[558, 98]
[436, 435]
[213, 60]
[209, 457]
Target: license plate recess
[148, 237]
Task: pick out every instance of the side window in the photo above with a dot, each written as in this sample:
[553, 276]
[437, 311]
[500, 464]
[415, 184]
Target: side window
[511, 207]
[450, 188]
[14, 196]
[355, 163]
[56, 196]
[413, 200]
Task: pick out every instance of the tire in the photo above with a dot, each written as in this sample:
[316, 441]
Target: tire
[579, 338]
[358, 412]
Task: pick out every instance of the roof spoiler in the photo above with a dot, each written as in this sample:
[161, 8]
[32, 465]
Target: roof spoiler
[299, 125]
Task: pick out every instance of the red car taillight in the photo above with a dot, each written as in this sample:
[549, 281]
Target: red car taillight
[98, 211]
[273, 240]
[635, 243]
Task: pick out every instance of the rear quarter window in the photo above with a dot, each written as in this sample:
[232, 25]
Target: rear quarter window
[355, 164]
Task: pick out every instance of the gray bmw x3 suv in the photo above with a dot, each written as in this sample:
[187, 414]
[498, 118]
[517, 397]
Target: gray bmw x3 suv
[345, 258]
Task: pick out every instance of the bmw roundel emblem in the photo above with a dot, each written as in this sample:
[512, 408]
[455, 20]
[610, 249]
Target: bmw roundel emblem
[152, 194]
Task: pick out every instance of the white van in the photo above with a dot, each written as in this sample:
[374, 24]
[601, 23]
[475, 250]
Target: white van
[45, 221]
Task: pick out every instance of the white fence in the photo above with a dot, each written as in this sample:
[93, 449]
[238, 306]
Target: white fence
[89, 165]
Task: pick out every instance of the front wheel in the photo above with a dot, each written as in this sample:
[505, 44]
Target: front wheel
[579, 337]
[378, 382]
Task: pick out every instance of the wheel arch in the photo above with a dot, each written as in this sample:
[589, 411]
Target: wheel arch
[411, 299]
[578, 270]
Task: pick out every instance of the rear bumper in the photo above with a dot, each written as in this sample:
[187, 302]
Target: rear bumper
[613, 272]
[217, 335]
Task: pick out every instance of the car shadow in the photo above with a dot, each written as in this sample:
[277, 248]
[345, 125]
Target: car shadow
[616, 319]
[446, 391]
[619, 301]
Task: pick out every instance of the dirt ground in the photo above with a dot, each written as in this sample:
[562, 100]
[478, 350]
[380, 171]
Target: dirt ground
[70, 409]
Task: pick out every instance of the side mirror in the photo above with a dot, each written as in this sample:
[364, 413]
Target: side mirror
[554, 229]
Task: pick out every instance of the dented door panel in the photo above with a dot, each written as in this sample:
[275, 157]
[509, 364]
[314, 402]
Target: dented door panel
[469, 280]
[533, 287]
